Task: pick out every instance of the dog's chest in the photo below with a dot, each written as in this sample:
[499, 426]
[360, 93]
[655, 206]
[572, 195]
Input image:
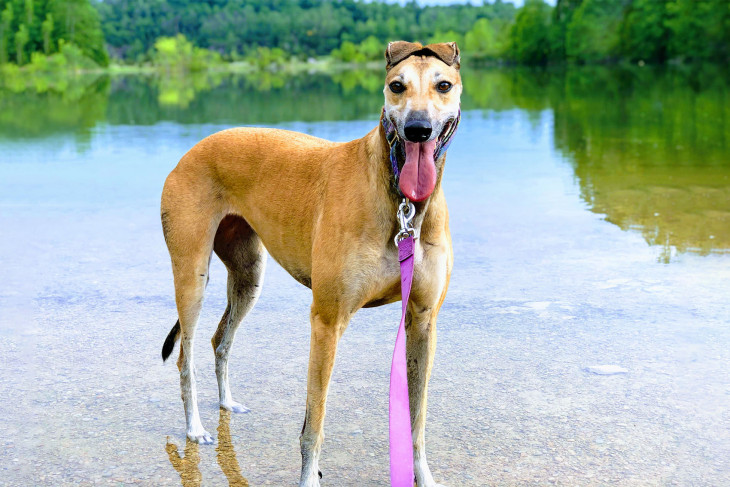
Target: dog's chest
[381, 285]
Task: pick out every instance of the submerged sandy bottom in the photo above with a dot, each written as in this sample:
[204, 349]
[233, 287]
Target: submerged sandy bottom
[542, 289]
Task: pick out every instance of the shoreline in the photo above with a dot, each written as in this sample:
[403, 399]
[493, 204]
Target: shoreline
[319, 65]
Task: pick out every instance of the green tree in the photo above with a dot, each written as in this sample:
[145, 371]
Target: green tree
[371, 49]
[29, 12]
[644, 34]
[78, 22]
[699, 30]
[347, 52]
[593, 32]
[481, 40]
[39, 26]
[530, 33]
[179, 54]
[562, 15]
[448, 36]
[6, 22]
[47, 29]
[21, 39]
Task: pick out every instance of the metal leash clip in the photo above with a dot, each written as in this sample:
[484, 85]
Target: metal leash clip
[406, 212]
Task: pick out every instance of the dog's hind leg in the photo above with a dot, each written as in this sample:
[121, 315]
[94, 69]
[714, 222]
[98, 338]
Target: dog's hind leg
[244, 255]
[190, 280]
[189, 288]
[189, 224]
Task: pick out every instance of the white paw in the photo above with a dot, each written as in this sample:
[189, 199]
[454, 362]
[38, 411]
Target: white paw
[428, 483]
[201, 437]
[235, 407]
[311, 480]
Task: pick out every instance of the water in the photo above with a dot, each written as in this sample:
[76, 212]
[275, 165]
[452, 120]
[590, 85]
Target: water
[589, 213]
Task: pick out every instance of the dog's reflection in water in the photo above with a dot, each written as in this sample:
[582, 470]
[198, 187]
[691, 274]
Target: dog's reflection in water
[187, 465]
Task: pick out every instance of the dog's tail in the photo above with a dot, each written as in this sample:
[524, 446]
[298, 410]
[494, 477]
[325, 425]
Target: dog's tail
[170, 341]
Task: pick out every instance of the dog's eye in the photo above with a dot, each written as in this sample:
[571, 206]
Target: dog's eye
[444, 86]
[397, 87]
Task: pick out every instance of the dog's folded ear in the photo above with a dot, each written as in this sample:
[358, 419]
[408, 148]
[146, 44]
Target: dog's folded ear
[448, 52]
[397, 51]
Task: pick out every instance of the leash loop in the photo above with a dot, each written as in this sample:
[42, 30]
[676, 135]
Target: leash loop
[405, 214]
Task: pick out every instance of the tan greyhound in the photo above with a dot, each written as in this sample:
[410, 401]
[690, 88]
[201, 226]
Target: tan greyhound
[326, 212]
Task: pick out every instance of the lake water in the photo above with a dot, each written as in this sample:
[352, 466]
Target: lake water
[590, 214]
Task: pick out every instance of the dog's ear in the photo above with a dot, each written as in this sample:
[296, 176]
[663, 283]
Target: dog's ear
[399, 50]
[448, 52]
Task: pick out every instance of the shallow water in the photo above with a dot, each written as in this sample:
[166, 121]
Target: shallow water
[589, 213]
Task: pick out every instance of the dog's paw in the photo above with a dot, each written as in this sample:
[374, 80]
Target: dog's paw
[428, 484]
[311, 480]
[234, 407]
[201, 437]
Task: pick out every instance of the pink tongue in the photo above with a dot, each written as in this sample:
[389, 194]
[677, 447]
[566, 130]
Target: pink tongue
[418, 176]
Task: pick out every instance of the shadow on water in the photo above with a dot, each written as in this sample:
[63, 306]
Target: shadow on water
[188, 465]
[648, 147]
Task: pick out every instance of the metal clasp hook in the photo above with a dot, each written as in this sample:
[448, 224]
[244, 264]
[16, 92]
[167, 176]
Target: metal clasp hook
[405, 214]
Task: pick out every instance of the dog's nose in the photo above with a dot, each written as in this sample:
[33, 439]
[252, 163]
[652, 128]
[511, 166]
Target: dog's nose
[417, 130]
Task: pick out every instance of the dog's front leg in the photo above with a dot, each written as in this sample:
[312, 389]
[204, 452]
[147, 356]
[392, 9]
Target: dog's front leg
[326, 333]
[420, 350]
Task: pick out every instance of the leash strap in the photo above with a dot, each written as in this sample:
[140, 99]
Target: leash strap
[401, 438]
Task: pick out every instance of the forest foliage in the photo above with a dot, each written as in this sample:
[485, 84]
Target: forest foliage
[580, 31]
[68, 31]
[52, 34]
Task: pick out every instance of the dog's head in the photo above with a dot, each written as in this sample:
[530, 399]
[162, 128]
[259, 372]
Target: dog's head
[422, 99]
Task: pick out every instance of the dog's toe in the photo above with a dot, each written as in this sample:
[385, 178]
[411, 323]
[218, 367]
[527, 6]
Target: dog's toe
[432, 484]
[203, 438]
[235, 407]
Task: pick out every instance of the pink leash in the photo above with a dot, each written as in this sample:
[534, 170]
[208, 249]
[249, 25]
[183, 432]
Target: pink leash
[401, 439]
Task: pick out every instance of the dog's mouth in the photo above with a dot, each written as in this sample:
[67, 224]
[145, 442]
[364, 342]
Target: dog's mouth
[446, 129]
[418, 175]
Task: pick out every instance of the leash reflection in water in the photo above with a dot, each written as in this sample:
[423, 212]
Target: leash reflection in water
[187, 465]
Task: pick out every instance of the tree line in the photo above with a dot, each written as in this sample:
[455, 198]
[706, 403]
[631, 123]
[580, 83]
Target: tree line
[594, 31]
[304, 28]
[262, 31]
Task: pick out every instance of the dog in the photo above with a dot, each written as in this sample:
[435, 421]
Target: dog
[326, 212]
